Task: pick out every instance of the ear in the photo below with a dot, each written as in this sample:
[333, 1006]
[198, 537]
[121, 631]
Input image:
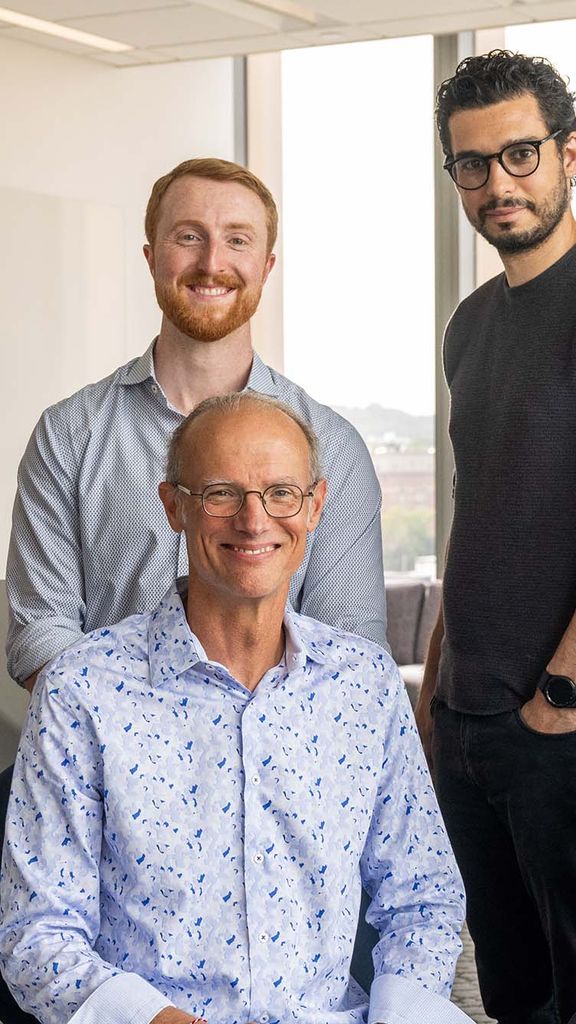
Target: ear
[316, 505]
[569, 156]
[149, 256]
[269, 264]
[170, 498]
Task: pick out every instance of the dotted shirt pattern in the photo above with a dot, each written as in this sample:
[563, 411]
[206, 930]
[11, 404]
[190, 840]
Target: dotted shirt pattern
[90, 541]
[173, 836]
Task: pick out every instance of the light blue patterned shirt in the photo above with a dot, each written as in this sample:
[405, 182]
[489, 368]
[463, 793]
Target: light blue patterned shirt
[175, 838]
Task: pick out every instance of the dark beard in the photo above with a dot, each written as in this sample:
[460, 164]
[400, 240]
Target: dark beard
[550, 214]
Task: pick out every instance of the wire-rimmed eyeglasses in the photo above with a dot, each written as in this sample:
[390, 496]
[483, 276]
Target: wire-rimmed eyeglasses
[519, 159]
[223, 500]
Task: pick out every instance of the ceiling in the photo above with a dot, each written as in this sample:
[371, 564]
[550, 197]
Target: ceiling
[163, 31]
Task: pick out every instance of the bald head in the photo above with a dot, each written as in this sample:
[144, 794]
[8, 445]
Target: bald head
[225, 407]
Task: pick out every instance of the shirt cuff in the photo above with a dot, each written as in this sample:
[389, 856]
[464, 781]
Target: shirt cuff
[397, 1000]
[124, 998]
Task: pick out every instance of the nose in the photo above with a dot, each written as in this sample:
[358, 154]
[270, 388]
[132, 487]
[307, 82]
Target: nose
[252, 517]
[500, 182]
[211, 261]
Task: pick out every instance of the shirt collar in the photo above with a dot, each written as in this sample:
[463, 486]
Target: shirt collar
[141, 369]
[261, 378]
[173, 648]
[304, 640]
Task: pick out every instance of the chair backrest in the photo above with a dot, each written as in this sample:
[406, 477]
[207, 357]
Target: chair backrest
[13, 699]
[404, 601]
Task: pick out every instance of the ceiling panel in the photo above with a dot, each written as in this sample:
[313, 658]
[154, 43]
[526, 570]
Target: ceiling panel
[359, 11]
[549, 10]
[58, 10]
[443, 9]
[174, 30]
[489, 17]
[192, 23]
[221, 48]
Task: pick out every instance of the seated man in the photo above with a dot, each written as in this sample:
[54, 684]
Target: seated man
[201, 791]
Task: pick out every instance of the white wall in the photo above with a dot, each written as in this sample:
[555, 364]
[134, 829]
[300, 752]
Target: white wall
[82, 144]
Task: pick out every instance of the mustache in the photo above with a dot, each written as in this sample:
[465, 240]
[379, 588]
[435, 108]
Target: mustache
[208, 281]
[503, 204]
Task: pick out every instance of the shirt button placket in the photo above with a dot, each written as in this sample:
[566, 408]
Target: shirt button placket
[255, 861]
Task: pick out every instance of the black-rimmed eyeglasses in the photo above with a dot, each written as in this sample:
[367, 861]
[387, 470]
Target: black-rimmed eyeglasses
[222, 500]
[519, 159]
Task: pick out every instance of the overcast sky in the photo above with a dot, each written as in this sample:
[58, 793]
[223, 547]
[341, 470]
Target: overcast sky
[358, 222]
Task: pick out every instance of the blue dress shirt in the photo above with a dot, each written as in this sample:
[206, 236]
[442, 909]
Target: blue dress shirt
[173, 838]
[90, 541]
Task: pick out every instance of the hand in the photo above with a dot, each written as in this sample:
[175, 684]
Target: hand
[423, 717]
[172, 1015]
[541, 716]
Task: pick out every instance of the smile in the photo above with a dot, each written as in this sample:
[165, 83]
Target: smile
[210, 293]
[252, 551]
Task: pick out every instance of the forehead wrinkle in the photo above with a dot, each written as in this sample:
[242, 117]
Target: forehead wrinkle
[285, 478]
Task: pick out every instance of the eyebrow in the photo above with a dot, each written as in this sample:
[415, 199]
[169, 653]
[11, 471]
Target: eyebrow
[478, 152]
[191, 223]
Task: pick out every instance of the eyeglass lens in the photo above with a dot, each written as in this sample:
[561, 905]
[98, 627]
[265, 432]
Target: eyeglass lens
[279, 500]
[519, 160]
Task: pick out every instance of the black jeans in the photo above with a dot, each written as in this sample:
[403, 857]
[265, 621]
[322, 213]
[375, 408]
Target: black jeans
[508, 795]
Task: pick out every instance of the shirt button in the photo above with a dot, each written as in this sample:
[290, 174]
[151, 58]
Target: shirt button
[154, 389]
[264, 1018]
[256, 780]
[258, 858]
[263, 937]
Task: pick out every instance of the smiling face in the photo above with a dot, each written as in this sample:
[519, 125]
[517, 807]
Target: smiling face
[513, 214]
[210, 256]
[249, 557]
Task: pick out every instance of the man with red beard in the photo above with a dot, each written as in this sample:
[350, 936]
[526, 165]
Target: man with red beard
[90, 543]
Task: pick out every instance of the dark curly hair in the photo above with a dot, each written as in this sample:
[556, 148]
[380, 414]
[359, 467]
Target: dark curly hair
[502, 75]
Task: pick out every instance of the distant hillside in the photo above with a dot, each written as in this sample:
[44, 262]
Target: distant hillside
[375, 423]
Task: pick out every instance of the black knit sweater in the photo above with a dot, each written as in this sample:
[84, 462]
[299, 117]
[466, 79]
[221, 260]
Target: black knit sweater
[510, 581]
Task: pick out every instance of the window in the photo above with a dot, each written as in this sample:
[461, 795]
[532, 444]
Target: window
[358, 213]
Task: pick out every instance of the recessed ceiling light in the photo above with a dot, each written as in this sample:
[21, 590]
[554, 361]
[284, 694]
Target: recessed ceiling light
[50, 28]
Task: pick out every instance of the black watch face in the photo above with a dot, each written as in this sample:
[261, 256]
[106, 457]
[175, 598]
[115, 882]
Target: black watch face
[560, 691]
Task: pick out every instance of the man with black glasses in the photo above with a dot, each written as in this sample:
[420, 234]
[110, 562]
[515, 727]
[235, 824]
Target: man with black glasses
[202, 790]
[502, 661]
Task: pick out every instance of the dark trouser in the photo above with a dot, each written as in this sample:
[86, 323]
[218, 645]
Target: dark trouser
[508, 795]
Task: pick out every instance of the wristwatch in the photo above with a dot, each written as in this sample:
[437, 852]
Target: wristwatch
[560, 691]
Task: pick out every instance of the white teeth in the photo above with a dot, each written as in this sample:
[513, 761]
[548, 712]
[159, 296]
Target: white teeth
[210, 291]
[254, 551]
